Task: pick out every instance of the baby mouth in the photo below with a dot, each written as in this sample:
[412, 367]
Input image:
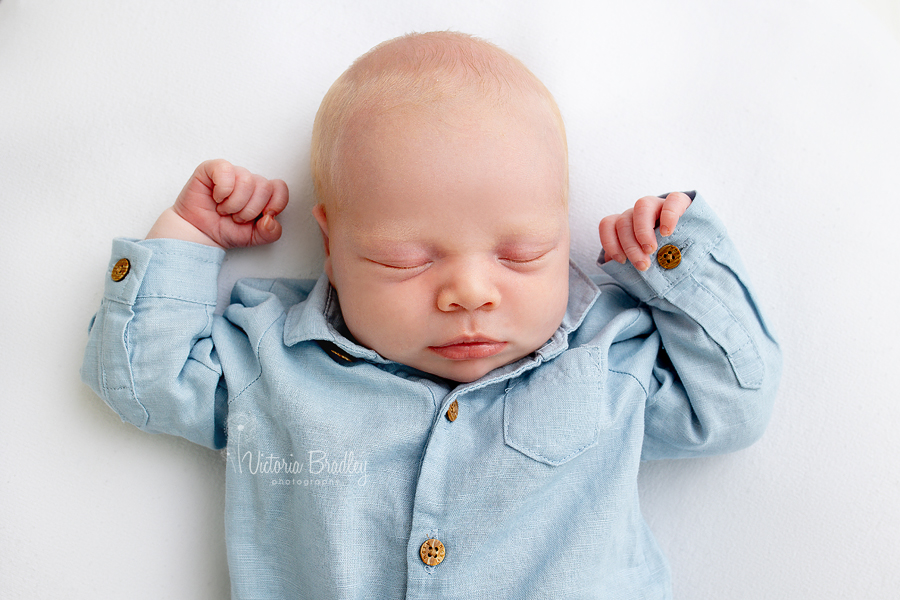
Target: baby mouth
[468, 348]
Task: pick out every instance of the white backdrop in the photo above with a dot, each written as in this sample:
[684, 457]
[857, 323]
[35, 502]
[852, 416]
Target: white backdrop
[784, 113]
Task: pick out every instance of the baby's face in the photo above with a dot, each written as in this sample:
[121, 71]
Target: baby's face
[450, 252]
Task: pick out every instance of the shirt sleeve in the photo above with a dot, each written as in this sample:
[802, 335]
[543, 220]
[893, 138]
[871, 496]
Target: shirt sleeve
[712, 385]
[149, 354]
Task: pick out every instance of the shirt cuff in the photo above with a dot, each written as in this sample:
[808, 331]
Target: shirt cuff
[699, 230]
[162, 268]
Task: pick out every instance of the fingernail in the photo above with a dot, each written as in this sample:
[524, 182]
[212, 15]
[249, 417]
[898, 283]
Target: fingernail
[270, 223]
[647, 248]
[619, 259]
[665, 231]
[641, 265]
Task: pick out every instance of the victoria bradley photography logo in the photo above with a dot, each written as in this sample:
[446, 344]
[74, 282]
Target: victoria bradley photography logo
[316, 468]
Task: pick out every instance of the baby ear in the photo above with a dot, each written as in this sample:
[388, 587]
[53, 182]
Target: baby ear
[318, 212]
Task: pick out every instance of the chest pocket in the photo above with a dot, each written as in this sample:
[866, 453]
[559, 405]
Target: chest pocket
[553, 413]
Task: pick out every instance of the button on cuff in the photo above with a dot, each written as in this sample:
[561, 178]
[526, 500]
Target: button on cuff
[120, 269]
[669, 256]
[123, 283]
[699, 231]
[159, 266]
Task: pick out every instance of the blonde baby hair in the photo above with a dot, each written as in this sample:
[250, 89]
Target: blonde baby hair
[421, 73]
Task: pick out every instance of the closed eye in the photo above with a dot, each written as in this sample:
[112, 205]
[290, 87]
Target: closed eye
[516, 260]
[398, 266]
[522, 261]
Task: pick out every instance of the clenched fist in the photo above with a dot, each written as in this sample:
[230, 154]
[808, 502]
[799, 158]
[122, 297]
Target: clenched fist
[224, 206]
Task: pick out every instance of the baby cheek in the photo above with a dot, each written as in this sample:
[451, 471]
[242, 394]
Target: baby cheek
[381, 318]
[553, 299]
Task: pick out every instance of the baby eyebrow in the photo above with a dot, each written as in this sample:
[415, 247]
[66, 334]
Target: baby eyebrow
[396, 252]
[401, 247]
[532, 228]
[535, 239]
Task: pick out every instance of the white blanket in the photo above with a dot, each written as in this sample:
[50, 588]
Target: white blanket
[784, 113]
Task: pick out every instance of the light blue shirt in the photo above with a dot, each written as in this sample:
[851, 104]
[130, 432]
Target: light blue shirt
[341, 464]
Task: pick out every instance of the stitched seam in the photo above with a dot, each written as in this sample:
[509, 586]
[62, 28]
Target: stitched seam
[187, 256]
[207, 367]
[594, 353]
[720, 303]
[537, 456]
[638, 381]
[690, 274]
[245, 388]
[180, 298]
[131, 388]
[141, 296]
[117, 301]
[513, 375]
[557, 462]
[734, 319]
[256, 352]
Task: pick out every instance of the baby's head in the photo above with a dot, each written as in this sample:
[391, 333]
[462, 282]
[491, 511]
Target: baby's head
[441, 175]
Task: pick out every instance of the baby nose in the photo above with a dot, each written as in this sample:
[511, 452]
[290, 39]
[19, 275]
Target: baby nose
[468, 288]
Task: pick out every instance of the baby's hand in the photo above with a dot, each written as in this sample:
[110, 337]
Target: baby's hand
[631, 234]
[225, 206]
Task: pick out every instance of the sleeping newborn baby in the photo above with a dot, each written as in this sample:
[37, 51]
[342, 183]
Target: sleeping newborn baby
[453, 409]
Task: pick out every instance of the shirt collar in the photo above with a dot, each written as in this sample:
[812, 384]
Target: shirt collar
[320, 318]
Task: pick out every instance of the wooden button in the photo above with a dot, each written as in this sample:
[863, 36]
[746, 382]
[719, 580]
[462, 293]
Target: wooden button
[453, 411]
[668, 257]
[432, 552]
[120, 269]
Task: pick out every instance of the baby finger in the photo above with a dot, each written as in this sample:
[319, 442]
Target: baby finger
[672, 209]
[260, 197]
[609, 239]
[279, 200]
[244, 183]
[646, 212]
[629, 243]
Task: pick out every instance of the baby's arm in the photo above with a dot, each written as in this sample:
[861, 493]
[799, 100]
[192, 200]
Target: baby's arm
[150, 352]
[710, 365]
